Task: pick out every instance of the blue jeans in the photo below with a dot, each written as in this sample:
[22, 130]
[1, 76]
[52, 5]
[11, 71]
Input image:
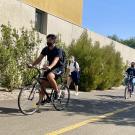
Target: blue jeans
[132, 85]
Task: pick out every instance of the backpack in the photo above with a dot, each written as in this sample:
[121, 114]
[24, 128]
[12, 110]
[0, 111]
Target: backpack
[75, 64]
[64, 60]
[78, 71]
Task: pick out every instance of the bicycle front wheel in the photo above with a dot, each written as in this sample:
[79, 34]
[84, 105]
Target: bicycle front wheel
[127, 93]
[28, 99]
[62, 102]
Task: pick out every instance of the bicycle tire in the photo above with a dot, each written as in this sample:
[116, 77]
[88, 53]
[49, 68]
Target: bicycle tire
[127, 93]
[59, 103]
[30, 93]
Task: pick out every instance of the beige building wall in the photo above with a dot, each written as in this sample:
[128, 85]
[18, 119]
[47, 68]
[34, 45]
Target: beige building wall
[16, 13]
[127, 53]
[69, 10]
[70, 31]
[20, 15]
[67, 30]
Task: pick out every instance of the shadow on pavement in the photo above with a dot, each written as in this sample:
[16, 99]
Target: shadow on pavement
[126, 118]
[90, 107]
[9, 111]
[110, 96]
[99, 107]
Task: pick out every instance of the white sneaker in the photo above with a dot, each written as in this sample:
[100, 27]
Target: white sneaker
[59, 94]
[76, 93]
[132, 93]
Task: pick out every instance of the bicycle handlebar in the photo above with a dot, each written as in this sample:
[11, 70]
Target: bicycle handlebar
[38, 69]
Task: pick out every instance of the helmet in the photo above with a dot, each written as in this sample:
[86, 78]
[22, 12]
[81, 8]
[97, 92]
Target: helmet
[52, 36]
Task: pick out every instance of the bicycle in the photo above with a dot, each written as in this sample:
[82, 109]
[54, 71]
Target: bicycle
[128, 88]
[28, 97]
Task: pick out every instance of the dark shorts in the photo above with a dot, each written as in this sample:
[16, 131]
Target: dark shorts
[57, 72]
[75, 77]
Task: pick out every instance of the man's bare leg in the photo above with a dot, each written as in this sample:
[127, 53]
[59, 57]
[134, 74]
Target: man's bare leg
[43, 89]
[52, 81]
[41, 93]
[69, 80]
[76, 89]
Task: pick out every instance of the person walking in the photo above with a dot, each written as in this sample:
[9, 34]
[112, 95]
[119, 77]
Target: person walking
[73, 74]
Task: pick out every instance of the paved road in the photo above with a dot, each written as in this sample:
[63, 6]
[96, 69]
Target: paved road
[88, 113]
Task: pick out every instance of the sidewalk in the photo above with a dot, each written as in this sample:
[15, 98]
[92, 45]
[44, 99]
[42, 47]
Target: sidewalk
[5, 95]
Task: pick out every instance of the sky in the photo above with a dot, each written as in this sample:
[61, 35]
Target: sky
[110, 17]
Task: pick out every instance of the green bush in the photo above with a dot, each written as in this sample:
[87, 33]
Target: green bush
[16, 49]
[101, 68]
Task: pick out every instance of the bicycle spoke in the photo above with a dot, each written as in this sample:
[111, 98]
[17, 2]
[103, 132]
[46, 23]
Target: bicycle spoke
[27, 99]
[61, 103]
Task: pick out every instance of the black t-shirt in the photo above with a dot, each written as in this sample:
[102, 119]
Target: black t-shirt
[131, 71]
[51, 54]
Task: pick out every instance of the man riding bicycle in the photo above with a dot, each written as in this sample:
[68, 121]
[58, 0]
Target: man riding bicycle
[131, 73]
[54, 68]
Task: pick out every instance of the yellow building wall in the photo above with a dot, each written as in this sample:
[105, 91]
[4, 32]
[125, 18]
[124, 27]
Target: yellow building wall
[70, 10]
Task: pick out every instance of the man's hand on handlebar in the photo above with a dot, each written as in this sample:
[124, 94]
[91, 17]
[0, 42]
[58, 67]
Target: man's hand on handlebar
[47, 68]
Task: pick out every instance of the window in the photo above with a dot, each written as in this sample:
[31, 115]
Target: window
[41, 21]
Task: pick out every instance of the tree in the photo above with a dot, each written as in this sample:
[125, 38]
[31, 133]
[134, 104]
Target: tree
[128, 42]
[114, 37]
[101, 68]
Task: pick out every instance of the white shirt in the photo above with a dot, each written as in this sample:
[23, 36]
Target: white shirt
[72, 68]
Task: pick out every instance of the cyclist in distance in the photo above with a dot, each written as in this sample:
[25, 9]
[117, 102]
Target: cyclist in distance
[131, 73]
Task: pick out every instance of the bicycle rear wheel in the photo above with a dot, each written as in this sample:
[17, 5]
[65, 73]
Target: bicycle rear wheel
[127, 93]
[62, 103]
[28, 98]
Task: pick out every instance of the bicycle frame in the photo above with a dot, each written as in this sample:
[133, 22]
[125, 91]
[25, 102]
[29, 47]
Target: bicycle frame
[39, 78]
[129, 87]
[129, 84]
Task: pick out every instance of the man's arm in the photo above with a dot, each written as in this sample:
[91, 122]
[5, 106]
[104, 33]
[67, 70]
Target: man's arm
[127, 71]
[38, 60]
[55, 61]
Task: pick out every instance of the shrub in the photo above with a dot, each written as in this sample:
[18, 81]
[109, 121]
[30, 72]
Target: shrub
[101, 68]
[16, 49]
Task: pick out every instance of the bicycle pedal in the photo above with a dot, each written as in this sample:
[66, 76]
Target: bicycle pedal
[45, 101]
